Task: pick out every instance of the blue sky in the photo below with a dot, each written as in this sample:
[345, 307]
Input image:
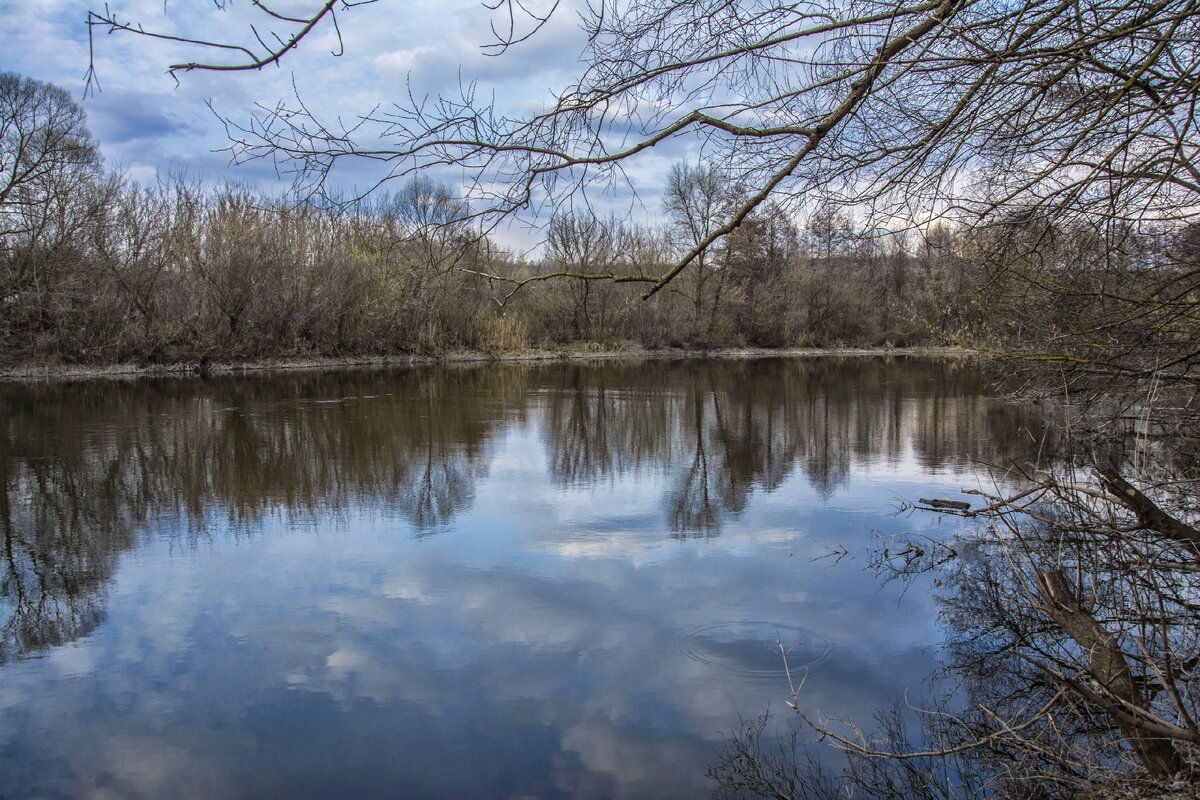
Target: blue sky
[147, 124]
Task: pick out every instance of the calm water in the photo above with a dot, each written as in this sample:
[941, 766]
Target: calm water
[460, 582]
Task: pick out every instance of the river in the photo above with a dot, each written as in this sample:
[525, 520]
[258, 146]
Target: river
[475, 581]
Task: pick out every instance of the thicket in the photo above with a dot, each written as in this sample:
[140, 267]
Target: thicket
[96, 268]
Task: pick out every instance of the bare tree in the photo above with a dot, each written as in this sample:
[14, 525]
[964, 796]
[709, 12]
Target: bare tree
[698, 199]
[44, 145]
[260, 49]
[48, 167]
[588, 246]
[908, 109]
[432, 241]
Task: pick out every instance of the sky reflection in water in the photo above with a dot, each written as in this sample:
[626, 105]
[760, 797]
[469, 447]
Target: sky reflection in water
[469, 582]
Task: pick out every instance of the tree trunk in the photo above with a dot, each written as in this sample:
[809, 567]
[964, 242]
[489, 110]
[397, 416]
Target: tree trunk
[1116, 689]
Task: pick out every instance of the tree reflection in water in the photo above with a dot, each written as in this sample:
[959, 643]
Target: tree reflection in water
[1072, 653]
[87, 468]
[726, 429]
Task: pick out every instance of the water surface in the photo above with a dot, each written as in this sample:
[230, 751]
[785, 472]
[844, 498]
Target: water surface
[493, 581]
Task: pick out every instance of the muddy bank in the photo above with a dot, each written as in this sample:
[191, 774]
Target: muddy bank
[41, 372]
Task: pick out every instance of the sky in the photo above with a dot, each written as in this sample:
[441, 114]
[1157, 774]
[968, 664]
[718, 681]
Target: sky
[147, 124]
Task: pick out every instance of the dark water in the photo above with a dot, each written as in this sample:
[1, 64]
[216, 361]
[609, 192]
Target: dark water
[500, 581]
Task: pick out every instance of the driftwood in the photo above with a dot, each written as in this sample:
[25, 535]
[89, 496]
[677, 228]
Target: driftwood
[954, 505]
[1147, 511]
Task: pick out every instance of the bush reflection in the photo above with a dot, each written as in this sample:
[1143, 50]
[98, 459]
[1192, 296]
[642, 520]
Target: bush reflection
[86, 468]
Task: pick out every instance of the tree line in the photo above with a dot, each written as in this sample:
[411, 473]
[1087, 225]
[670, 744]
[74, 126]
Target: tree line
[97, 268]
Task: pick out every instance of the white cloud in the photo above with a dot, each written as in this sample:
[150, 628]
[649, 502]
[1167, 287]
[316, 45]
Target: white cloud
[147, 122]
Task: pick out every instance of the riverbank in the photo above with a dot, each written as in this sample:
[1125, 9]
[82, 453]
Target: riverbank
[50, 372]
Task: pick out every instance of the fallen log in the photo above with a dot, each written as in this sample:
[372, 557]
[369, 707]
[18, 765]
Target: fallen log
[954, 505]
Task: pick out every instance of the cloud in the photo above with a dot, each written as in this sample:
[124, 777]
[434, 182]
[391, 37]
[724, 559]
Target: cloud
[126, 117]
[148, 123]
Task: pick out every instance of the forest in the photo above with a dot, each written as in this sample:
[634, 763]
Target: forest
[98, 269]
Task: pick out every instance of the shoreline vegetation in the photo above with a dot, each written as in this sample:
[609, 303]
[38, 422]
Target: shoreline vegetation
[100, 274]
[178, 274]
[63, 372]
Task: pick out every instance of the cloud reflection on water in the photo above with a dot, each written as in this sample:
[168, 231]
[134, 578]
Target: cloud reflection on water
[241, 595]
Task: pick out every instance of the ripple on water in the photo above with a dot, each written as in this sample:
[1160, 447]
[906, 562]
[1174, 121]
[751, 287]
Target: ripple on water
[753, 647]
